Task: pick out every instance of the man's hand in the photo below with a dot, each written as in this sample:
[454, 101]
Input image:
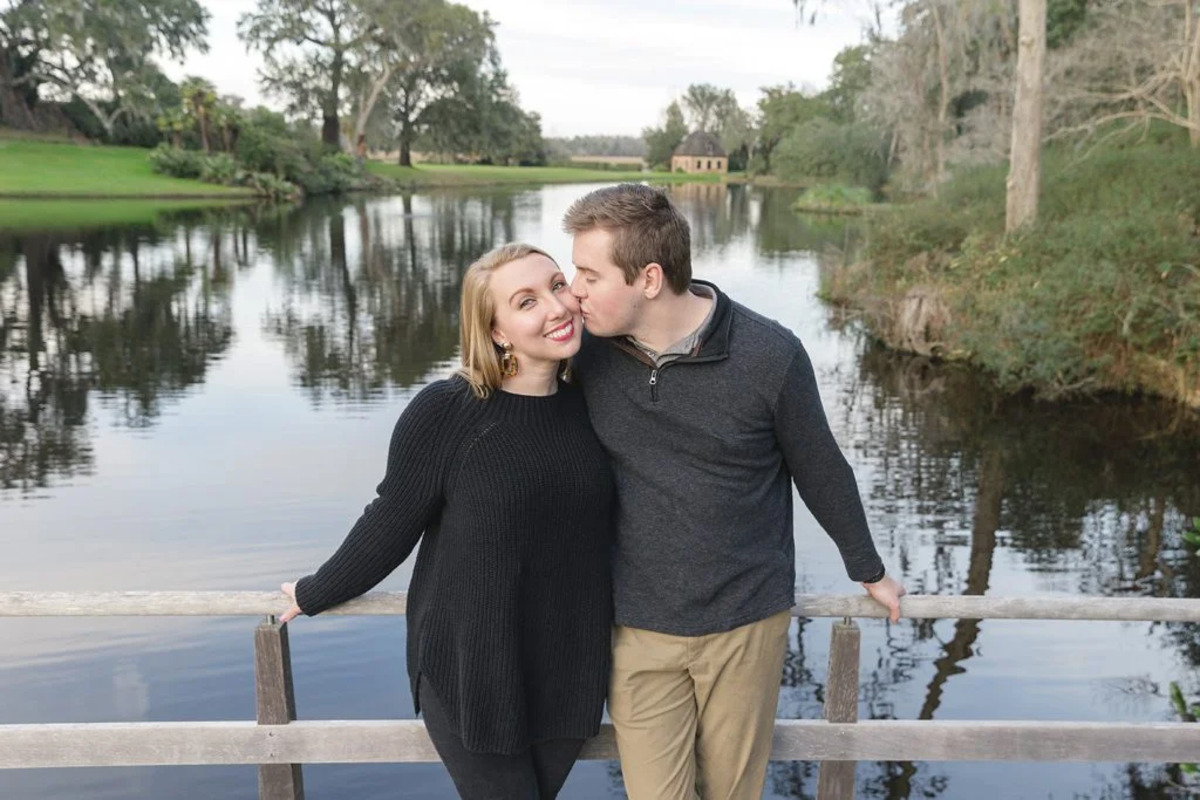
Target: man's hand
[294, 611]
[887, 592]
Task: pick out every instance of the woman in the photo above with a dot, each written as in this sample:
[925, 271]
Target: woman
[498, 473]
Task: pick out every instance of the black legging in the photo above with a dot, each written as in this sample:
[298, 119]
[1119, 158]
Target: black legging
[536, 774]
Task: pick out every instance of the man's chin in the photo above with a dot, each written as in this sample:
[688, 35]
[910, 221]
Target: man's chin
[593, 328]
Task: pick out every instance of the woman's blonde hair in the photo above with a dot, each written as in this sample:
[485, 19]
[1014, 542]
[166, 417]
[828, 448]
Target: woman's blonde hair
[480, 353]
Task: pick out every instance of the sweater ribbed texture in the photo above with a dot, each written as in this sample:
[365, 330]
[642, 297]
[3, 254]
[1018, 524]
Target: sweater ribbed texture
[509, 608]
[704, 456]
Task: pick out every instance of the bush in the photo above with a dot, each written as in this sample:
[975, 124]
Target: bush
[1102, 294]
[219, 168]
[331, 172]
[267, 185]
[267, 143]
[177, 163]
[821, 148]
[833, 196]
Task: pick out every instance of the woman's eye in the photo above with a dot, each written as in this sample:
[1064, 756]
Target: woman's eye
[559, 285]
[527, 302]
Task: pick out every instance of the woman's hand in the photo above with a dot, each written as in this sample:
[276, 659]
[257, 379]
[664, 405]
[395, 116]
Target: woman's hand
[294, 611]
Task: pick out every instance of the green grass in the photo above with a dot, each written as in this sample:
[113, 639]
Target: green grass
[482, 175]
[1103, 294]
[834, 198]
[25, 215]
[39, 168]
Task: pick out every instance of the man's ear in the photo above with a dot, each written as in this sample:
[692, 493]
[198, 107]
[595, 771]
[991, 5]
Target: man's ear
[652, 280]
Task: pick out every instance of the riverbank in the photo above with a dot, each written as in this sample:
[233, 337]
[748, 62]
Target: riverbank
[51, 169]
[425, 176]
[1102, 295]
[36, 168]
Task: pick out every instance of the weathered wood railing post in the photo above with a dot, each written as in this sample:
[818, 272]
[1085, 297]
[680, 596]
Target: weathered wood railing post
[836, 780]
[275, 703]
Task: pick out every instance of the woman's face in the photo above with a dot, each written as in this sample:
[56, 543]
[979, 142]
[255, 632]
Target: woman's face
[535, 310]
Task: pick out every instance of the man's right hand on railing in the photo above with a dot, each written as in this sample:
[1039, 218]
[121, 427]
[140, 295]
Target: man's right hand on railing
[294, 610]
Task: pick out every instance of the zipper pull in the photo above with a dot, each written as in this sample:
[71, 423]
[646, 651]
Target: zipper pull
[654, 377]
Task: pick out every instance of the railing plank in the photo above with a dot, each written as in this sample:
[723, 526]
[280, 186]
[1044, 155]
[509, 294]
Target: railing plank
[374, 741]
[216, 604]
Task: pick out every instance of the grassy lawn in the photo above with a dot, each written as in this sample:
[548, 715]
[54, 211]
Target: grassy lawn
[36, 168]
[481, 175]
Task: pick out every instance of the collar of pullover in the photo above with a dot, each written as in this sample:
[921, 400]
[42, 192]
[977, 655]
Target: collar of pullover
[713, 344]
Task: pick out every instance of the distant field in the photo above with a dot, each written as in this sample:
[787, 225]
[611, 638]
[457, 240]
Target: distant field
[481, 175]
[39, 168]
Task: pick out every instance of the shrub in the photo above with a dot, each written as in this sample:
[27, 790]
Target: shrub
[331, 172]
[267, 143]
[821, 148]
[177, 163]
[833, 196]
[219, 168]
[1102, 294]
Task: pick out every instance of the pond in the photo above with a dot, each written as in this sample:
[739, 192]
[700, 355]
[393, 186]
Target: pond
[202, 400]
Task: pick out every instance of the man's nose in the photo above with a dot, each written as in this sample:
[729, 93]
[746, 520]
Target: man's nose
[577, 288]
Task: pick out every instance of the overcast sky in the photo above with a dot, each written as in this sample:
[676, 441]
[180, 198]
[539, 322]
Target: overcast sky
[607, 66]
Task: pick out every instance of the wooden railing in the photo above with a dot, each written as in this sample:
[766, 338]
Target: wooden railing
[279, 744]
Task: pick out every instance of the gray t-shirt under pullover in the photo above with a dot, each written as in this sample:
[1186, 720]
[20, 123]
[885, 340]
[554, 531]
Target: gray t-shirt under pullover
[704, 450]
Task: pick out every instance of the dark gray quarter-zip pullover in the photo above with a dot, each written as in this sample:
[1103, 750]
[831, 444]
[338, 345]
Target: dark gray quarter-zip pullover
[704, 449]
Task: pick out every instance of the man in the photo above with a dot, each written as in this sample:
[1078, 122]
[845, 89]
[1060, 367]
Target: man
[709, 412]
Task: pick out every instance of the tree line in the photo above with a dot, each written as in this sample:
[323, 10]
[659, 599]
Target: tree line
[422, 73]
[907, 105]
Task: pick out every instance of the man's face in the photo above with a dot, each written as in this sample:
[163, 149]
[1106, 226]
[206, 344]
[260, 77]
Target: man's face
[610, 306]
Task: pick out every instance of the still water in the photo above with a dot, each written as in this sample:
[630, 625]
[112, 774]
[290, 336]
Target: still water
[205, 402]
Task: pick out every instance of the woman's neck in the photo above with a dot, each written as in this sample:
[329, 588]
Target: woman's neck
[535, 380]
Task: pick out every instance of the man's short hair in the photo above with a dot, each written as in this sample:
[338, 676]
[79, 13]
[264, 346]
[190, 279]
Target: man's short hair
[645, 228]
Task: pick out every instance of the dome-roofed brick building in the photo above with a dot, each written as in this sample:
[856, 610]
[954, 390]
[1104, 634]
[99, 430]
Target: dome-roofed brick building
[700, 151]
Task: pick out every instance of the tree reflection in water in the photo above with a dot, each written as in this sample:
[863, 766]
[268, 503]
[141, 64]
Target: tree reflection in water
[116, 311]
[371, 300]
[1092, 497]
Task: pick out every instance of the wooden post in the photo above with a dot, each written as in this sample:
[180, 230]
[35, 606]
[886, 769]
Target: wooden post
[275, 703]
[836, 781]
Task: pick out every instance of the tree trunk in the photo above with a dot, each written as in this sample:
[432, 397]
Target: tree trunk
[202, 118]
[1024, 176]
[1191, 72]
[331, 133]
[367, 104]
[943, 58]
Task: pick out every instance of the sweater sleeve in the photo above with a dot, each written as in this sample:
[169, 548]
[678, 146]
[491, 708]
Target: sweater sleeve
[408, 499]
[820, 471]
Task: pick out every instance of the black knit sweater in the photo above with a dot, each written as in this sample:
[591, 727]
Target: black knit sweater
[509, 609]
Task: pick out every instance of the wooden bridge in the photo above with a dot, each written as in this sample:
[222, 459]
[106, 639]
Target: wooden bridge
[279, 744]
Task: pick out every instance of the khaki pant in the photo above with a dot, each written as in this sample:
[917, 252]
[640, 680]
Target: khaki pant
[694, 715]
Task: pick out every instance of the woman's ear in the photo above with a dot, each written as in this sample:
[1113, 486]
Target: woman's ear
[499, 338]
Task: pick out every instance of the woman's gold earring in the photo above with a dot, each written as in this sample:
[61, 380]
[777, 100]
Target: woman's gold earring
[508, 362]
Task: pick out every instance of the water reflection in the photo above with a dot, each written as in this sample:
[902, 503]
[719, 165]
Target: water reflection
[111, 312]
[371, 299]
[1092, 498]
